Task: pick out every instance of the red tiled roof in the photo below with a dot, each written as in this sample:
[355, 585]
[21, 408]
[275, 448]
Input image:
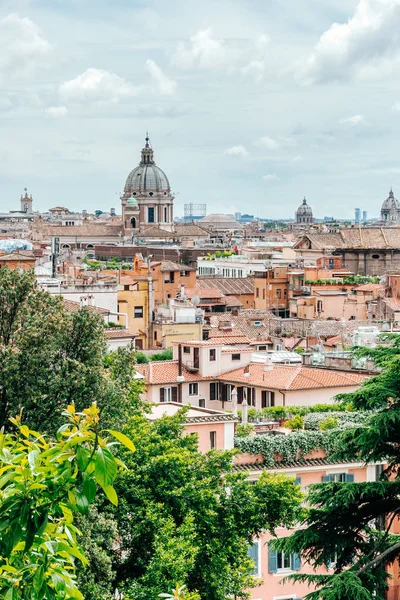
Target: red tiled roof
[117, 333]
[166, 371]
[71, 305]
[225, 340]
[369, 287]
[204, 293]
[393, 303]
[296, 377]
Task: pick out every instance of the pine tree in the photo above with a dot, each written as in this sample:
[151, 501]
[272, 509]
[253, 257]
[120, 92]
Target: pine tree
[351, 524]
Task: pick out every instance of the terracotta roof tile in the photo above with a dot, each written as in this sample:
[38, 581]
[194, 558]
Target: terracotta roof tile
[287, 464]
[115, 333]
[72, 306]
[227, 285]
[166, 371]
[293, 377]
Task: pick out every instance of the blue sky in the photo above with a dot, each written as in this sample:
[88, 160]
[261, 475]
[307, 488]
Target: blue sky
[250, 104]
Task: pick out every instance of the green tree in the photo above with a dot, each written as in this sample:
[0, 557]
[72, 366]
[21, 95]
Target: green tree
[178, 507]
[43, 484]
[352, 521]
[50, 357]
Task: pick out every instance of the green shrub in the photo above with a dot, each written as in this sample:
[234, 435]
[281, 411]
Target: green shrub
[164, 355]
[141, 358]
[275, 412]
[329, 423]
[244, 429]
[296, 423]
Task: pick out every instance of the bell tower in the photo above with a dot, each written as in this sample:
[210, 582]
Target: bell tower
[26, 202]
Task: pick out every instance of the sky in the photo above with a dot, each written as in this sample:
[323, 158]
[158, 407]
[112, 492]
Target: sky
[250, 104]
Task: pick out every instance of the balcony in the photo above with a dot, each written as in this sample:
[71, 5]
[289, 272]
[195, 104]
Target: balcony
[193, 367]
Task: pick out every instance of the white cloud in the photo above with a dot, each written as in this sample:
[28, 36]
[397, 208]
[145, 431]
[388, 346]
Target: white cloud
[396, 107]
[98, 86]
[275, 143]
[354, 120]
[262, 41]
[255, 69]
[202, 52]
[271, 177]
[165, 86]
[22, 47]
[268, 142]
[57, 111]
[236, 151]
[298, 159]
[349, 49]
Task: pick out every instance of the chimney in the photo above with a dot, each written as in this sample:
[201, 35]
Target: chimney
[268, 366]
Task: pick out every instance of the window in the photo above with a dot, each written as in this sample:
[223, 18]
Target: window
[202, 403]
[375, 256]
[278, 347]
[168, 394]
[261, 347]
[338, 477]
[186, 349]
[253, 554]
[150, 214]
[193, 389]
[257, 292]
[126, 288]
[297, 481]
[138, 312]
[263, 293]
[213, 439]
[378, 472]
[212, 354]
[235, 356]
[285, 293]
[257, 323]
[165, 214]
[213, 391]
[319, 306]
[279, 293]
[267, 399]
[279, 561]
[226, 390]
[283, 561]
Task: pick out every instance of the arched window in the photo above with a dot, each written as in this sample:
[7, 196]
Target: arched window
[165, 214]
[133, 223]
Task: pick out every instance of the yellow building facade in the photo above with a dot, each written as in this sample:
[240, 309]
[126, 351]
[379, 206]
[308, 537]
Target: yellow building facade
[133, 300]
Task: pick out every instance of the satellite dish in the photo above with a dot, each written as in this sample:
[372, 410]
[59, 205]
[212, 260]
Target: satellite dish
[195, 300]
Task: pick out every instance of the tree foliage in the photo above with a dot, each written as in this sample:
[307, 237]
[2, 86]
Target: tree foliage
[43, 483]
[50, 357]
[178, 509]
[353, 522]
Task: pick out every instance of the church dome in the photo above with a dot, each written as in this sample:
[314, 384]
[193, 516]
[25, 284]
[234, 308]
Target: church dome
[391, 203]
[304, 209]
[147, 177]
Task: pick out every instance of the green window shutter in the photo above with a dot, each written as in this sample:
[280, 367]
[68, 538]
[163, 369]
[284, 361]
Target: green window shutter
[296, 562]
[349, 477]
[272, 561]
[253, 554]
[326, 478]
[297, 481]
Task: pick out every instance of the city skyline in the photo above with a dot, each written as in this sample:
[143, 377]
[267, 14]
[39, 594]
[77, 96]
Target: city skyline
[248, 107]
